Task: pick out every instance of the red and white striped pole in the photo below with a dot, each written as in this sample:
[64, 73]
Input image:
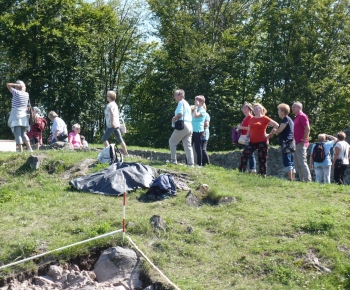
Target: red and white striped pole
[124, 210]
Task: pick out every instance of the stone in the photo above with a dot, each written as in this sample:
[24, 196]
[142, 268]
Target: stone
[55, 272]
[227, 200]
[158, 223]
[35, 161]
[63, 146]
[43, 280]
[192, 200]
[116, 264]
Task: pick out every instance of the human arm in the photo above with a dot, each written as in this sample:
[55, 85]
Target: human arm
[112, 117]
[12, 85]
[306, 133]
[335, 139]
[206, 125]
[70, 138]
[197, 110]
[274, 126]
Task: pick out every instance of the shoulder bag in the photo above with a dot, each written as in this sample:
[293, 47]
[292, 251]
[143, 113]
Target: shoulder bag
[122, 126]
[31, 114]
[180, 124]
[339, 162]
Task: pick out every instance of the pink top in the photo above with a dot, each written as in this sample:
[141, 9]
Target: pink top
[300, 122]
[76, 141]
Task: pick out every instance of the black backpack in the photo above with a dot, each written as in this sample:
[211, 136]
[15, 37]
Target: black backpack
[318, 154]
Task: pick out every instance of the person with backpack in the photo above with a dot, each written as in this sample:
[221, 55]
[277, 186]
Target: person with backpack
[247, 110]
[301, 136]
[320, 158]
[35, 134]
[341, 158]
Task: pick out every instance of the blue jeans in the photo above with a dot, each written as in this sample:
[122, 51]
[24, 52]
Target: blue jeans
[323, 173]
[288, 161]
[252, 162]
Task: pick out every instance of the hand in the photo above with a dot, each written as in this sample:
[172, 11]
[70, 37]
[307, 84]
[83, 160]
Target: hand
[196, 103]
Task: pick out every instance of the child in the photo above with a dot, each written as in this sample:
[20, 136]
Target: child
[74, 137]
[84, 142]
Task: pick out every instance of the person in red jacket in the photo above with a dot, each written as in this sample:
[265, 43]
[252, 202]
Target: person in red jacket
[35, 134]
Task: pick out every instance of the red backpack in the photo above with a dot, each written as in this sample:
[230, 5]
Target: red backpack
[41, 123]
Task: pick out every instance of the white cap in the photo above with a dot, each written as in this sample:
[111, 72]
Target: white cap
[36, 109]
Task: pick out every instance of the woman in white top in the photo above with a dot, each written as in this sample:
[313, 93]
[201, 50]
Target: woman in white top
[182, 112]
[341, 151]
[18, 120]
[58, 129]
[112, 122]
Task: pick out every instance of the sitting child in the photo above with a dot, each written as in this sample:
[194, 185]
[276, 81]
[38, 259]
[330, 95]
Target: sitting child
[84, 142]
[74, 137]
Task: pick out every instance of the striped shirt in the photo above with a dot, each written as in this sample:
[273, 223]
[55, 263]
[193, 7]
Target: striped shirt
[19, 98]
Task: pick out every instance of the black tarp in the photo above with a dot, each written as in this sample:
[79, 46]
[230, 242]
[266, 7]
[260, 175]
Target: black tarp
[116, 179]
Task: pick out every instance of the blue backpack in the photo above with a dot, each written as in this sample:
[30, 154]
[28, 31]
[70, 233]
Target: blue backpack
[162, 187]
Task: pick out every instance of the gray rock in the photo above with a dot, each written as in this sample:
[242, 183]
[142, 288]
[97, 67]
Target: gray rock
[55, 272]
[117, 264]
[227, 200]
[43, 281]
[192, 200]
[35, 161]
[63, 146]
[158, 223]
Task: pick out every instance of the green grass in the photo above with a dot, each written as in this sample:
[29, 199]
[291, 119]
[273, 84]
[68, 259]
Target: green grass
[260, 241]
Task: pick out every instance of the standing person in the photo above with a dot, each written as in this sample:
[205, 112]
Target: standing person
[257, 138]
[182, 112]
[205, 138]
[74, 137]
[247, 110]
[323, 169]
[58, 129]
[18, 120]
[198, 120]
[286, 132]
[301, 136]
[36, 130]
[112, 122]
[341, 151]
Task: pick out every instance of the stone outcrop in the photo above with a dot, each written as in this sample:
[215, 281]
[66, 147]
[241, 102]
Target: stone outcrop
[117, 268]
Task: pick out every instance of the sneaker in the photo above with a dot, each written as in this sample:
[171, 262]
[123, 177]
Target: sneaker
[192, 166]
[198, 166]
[253, 171]
[174, 162]
[30, 150]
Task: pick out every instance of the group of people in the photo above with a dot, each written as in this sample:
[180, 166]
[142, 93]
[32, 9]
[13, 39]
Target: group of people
[24, 132]
[194, 130]
[254, 126]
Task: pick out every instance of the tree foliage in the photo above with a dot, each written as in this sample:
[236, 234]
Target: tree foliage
[70, 52]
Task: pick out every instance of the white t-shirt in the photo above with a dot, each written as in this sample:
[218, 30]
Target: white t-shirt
[114, 107]
[344, 147]
[59, 125]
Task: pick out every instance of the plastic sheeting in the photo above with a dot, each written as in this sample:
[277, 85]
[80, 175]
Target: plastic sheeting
[116, 179]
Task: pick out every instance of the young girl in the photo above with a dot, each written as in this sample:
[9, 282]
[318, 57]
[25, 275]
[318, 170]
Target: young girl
[74, 137]
[112, 122]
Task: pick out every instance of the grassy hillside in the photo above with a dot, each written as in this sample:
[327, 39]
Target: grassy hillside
[277, 235]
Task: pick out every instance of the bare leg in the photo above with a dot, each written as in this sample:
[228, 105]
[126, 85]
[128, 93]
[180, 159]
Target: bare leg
[123, 145]
[37, 146]
[28, 145]
[106, 143]
[20, 147]
[290, 175]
